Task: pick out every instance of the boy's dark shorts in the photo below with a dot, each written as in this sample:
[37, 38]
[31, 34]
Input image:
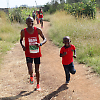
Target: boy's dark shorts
[30, 60]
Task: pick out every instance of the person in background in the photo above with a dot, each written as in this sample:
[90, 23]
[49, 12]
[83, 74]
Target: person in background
[41, 17]
[33, 14]
[37, 17]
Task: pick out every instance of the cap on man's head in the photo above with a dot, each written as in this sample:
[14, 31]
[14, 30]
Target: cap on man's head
[30, 18]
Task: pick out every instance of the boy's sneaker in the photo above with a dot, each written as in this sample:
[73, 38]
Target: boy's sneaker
[31, 80]
[66, 83]
[38, 87]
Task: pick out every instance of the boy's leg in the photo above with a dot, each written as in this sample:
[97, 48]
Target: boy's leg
[71, 68]
[66, 68]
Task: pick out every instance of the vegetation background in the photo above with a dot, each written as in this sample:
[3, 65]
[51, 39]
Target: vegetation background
[79, 19]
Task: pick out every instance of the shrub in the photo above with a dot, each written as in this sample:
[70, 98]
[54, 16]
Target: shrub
[78, 9]
[15, 15]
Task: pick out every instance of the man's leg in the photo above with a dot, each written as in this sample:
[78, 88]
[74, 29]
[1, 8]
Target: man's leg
[29, 65]
[41, 22]
[37, 76]
[37, 64]
[37, 72]
[30, 69]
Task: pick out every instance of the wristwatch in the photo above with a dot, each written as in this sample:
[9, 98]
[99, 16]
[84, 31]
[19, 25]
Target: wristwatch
[40, 44]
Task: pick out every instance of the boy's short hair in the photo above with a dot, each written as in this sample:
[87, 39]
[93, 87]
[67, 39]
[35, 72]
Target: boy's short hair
[66, 37]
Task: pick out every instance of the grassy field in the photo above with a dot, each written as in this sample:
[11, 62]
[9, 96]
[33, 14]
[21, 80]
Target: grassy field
[9, 34]
[84, 34]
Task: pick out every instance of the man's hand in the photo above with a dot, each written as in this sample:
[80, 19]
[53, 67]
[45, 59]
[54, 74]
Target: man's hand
[37, 44]
[24, 48]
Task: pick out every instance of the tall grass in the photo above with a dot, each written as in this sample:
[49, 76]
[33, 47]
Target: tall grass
[84, 34]
[9, 34]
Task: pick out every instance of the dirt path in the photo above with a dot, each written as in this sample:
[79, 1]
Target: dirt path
[14, 78]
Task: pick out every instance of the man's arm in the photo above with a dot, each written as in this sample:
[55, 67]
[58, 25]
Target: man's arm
[42, 36]
[22, 35]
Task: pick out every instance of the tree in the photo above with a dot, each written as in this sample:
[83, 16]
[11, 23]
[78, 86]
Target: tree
[74, 1]
[51, 7]
[62, 1]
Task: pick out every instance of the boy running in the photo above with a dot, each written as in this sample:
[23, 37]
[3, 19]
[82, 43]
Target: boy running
[66, 53]
[32, 48]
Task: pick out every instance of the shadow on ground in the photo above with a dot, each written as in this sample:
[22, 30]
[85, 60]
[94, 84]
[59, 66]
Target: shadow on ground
[21, 94]
[55, 93]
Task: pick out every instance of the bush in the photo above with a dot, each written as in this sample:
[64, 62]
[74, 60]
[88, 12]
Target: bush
[78, 9]
[15, 15]
[84, 35]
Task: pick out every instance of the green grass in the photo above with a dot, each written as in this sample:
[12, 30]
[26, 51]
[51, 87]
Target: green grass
[9, 34]
[46, 17]
[84, 34]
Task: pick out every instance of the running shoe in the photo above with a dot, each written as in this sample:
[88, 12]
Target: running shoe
[38, 87]
[33, 74]
[31, 80]
[66, 83]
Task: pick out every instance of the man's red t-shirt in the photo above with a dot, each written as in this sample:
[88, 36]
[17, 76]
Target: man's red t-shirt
[30, 40]
[40, 14]
[68, 58]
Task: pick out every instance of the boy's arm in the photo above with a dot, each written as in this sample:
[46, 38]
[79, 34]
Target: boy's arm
[74, 54]
[61, 55]
[21, 39]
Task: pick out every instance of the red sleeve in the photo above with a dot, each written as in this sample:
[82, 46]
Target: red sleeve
[61, 50]
[73, 47]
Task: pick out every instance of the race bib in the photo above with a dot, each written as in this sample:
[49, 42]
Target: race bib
[32, 47]
[40, 13]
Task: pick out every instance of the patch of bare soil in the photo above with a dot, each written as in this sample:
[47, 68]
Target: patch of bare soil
[14, 78]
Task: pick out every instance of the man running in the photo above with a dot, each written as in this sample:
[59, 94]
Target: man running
[32, 48]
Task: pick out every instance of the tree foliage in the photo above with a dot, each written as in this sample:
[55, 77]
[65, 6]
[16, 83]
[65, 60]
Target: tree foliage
[73, 1]
[74, 7]
[51, 7]
[78, 9]
[15, 15]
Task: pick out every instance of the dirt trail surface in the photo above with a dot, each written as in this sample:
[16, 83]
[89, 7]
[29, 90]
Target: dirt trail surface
[14, 78]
